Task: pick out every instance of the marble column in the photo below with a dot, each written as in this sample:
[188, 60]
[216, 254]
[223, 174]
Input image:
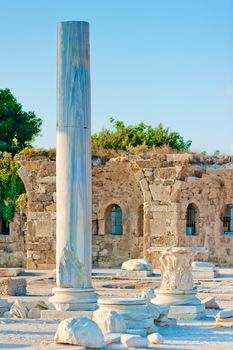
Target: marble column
[74, 290]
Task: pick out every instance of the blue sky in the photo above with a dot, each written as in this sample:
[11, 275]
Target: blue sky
[168, 61]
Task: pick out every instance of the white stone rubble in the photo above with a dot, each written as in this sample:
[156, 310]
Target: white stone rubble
[109, 321]
[226, 313]
[210, 303]
[136, 265]
[18, 310]
[155, 338]
[204, 270]
[224, 318]
[34, 313]
[79, 331]
[148, 294]
[135, 341]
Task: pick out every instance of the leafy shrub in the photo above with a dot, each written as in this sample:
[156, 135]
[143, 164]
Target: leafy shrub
[11, 186]
[133, 137]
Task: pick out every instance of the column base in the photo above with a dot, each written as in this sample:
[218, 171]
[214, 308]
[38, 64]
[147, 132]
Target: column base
[74, 299]
[183, 303]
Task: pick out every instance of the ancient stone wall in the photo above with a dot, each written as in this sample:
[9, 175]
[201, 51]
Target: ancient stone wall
[210, 193]
[12, 246]
[38, 172]
[153, 194]
[115, 183]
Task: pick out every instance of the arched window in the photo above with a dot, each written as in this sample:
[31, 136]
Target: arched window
[191, 220]
[140, 220]
[116, 220]
[113, 220]
[228, 220]
[4, 227]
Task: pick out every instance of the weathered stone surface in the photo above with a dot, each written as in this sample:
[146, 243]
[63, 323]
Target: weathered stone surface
[155, 338]
[148, 294]
[109, 321]
[34, 313]
[18, 310]
[79, 331]
[10, 272]
[135, 341]
[143, 323]
[210, 303]
[203, 265]
[226, 313]
[9, 286]
[132, 274]
[136, 265]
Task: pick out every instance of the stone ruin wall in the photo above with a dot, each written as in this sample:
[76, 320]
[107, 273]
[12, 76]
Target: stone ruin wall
[163, 185]
[13, 246]
[38, 174]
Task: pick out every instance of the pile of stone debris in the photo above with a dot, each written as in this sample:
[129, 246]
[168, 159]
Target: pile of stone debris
[22, 309]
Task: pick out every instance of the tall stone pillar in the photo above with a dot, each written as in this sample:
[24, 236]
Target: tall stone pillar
[74, 290]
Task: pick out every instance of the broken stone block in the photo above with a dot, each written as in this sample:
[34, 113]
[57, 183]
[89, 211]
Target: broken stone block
[135, 341]
[10, 286]
[34, 313]
[18, 310]
[10, 271]
[79, 331]
[136, 265]
[210, 303]
[109, 321]
[148, 294]
[204, 270]
[155, 338]
[226, 313]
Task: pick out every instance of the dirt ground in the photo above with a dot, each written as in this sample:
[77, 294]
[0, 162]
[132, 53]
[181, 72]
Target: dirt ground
[189, 335]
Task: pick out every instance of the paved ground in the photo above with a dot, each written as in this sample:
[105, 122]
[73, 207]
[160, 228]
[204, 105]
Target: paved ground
[189, 335]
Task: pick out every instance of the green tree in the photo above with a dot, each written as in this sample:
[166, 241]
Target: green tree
[132, 136]
[11, 187]
[17, 128]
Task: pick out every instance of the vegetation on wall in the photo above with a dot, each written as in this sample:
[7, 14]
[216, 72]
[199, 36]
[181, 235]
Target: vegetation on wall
[11, 187]
[140, 137]
[17, 128]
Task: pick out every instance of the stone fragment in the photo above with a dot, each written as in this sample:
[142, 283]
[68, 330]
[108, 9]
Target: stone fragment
[34, 313]
[18, 310]
[156, 311]
[79, 331]
[226, 313]
[109, 321]
[16, 287]
[148, 294]
[210, 303]
[136, 341]
[202, 265]
[155, 338]
[10, 271]
[136, 265]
